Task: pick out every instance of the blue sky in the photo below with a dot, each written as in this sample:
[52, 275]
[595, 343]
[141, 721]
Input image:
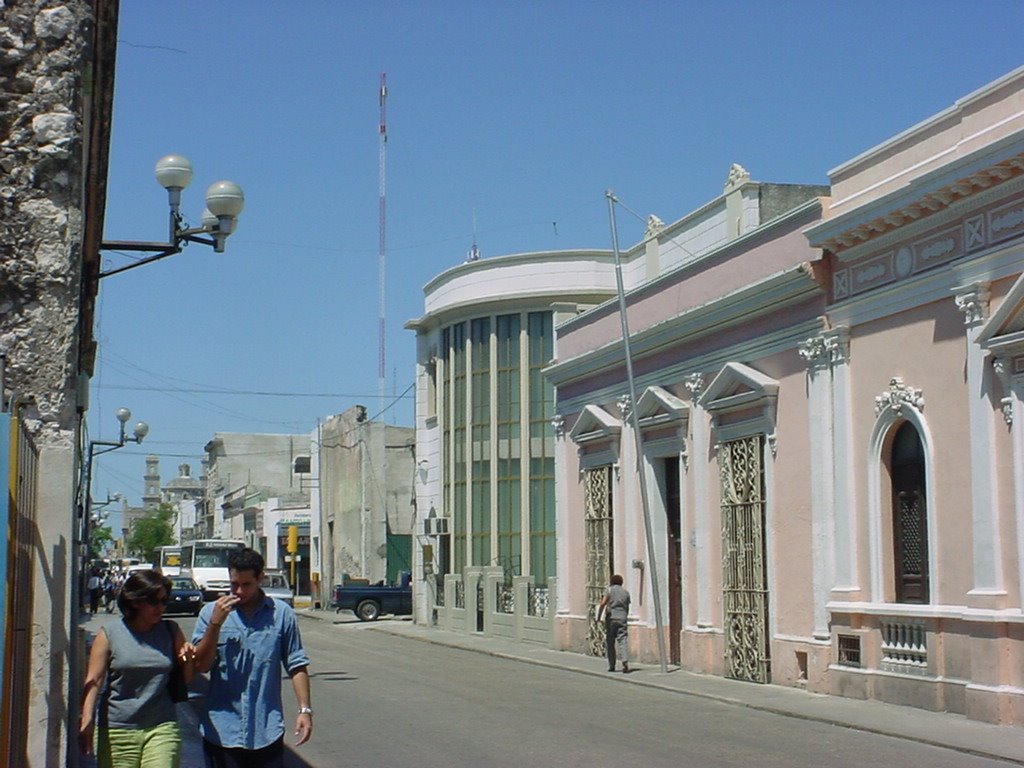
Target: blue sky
[516, 114]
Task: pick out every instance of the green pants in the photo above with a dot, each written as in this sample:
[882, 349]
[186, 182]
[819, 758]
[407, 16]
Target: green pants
[156, 747]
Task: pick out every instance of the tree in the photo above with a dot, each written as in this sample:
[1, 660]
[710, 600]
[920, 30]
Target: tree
[101, 539]
[152, 530]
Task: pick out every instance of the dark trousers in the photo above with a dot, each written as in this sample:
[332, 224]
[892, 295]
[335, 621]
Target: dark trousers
[235, 757]
[616, 639]
[94, 599]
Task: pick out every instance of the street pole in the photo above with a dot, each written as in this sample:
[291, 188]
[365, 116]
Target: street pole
[641, 475]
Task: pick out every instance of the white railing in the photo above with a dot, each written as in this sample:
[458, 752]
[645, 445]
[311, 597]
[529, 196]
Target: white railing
[904, 647]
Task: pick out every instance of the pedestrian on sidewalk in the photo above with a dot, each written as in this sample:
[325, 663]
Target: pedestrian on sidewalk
[135, 656]
[243, 640]
[95, 587]
[615, 608]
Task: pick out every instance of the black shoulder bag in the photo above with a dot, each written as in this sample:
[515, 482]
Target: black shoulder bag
[176, 685]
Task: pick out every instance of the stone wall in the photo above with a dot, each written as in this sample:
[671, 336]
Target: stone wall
[42, 54]
[56, 86]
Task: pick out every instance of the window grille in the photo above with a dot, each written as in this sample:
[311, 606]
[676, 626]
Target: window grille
[460, 594]
[537, 597]
[506, 598]
[849, 651]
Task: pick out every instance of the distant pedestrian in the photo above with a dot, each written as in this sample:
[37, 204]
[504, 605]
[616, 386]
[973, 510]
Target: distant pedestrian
[243, 640]
[95, 587]
[615, 607]
[138, 726]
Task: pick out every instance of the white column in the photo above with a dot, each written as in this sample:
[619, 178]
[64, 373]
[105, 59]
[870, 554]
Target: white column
[843, 503]
[701, 541]
[627, 528]
[816, 353]
[988, 565]
[562, 512]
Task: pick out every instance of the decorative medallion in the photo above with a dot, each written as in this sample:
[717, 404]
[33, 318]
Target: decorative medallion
[904, 262]
[898, 396]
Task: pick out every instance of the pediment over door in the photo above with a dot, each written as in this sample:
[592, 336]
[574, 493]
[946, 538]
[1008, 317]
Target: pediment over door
[657, 406]
[1003, 336]
[741, 402]
[664, 420]
[595, 424]
[1003, 333]
[596, 434]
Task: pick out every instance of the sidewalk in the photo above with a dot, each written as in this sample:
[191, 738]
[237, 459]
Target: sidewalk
[935, 728]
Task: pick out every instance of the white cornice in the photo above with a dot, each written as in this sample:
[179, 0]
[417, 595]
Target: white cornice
[679, 272]
[780, 290]
[481, 307]
[750, 350]
[514, 259]
[983, 175]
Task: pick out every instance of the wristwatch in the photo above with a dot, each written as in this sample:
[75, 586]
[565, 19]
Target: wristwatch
[305, 710]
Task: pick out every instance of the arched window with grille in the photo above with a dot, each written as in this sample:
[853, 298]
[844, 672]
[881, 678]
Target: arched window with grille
[909, 515]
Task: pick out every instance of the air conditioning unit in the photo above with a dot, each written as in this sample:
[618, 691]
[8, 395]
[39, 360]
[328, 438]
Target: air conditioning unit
[435, 526]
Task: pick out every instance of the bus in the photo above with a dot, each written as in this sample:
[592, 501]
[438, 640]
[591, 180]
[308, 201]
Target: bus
[206, 561]
[168, 560]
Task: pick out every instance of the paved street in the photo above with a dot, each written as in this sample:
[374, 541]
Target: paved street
[389, 701]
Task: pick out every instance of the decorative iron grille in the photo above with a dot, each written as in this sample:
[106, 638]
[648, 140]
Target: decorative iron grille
[598, 522]
[537, 597]
[460, 594]
[505, 598]
[439, 591]
[743, 561]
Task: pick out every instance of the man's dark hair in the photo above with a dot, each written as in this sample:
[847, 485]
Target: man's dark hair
[139, 586]
[617, 580]
[246, 560]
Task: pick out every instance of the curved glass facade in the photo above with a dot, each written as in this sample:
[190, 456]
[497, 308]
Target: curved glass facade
[498, 487]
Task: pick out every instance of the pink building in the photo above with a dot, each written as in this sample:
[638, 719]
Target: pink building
[830, 401]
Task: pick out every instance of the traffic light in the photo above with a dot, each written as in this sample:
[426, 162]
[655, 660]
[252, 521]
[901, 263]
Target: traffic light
[293, 539]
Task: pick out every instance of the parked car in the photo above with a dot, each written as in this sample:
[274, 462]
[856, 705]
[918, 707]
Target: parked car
[185, 597]
[369, 601]
[275, 584]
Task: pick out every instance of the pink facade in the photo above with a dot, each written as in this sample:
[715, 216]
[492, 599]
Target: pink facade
[831, 418]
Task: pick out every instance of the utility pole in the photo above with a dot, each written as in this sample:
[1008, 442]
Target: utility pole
[382, 238]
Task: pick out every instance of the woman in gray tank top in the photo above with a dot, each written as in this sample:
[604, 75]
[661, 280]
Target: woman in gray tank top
[136, 719]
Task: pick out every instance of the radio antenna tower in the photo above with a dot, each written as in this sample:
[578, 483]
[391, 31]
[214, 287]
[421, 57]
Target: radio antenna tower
[382, 252]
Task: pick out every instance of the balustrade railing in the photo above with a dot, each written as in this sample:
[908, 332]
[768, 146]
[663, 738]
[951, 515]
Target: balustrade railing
[905, 646]
[460, 594]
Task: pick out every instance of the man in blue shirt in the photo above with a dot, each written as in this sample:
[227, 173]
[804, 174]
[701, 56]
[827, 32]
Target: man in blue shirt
[242, 640]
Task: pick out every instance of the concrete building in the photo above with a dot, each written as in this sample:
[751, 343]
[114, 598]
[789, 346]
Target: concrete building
[58, 64]
[243, 469]
[363, 493]
[485, 487]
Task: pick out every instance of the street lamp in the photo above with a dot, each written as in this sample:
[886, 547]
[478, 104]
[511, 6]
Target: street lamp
[98, 448]
[224, 203]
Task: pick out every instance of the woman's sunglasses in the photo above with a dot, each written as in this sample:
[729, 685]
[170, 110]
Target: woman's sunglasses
[155, 600]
